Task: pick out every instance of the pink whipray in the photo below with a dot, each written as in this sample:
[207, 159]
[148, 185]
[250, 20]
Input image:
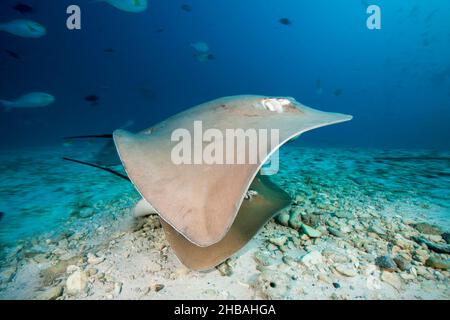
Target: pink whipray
[203, 207]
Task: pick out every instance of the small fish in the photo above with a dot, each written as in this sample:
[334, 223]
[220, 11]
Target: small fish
[109, 50]
[93, 99]
[29, 100]
[159, 30]
[203, 57]
[13, 54]
[23, 8]
[429, 18]
[134, 6]
[285, 21]
[2, 214]
[319, 89]
[67, 144]
[24, 28]
[337, 92]
[200, 46]
[186, 7]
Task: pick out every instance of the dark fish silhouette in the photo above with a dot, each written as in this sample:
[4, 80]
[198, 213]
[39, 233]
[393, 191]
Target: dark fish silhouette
[109, 50]
[204, 57]
[186, 8]
[93, 99]
[13, 54]
[337, 92]
[429, 18]
[160, 30]
[2, 214]
[23, 8]
[285, 21]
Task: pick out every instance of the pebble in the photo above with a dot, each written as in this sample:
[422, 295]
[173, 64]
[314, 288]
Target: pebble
[50, 294]
[392, 279]
[310, 232]
[407, 276]
[378, 230]
[283, 219]
[427, 228]
[343, 215]
[346, 270]
[278, 241]
[225, 269]
[94, 260]
[311, 220]
[386, 263]
[404, 243]
[72, 268]
[295, 220]
[157, 287]
[77, 283]
[53, 272]
[336, 232]
[324, 278]
[8, 274]
[434, 238]
[290, 261]
[263, 258]
[438, 263]
[436, 247]
[446, 237]
[421, 255]
[402, 263]
[91, 272]
[312, 258]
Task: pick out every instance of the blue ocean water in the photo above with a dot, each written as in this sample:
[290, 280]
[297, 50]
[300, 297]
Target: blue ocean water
[141, 68]
[395, 81]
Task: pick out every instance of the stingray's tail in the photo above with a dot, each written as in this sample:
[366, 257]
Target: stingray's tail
[94, 136]
[116, 173]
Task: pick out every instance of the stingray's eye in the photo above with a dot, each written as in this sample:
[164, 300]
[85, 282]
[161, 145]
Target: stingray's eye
[284, 101]
[276, 105]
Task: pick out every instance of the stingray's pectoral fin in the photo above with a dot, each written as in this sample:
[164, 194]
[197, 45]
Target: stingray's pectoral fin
[267, 201]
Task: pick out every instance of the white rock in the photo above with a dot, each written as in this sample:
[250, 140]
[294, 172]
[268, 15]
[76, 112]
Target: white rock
[93, 259]
[346, 270]
[278, 241]
[312, 258]
[77, 283]
[72, 268]
[392, 278]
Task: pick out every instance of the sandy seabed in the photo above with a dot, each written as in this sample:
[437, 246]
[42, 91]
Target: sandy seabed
[363, 224]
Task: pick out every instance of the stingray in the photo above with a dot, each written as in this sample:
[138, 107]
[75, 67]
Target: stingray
[209, 211]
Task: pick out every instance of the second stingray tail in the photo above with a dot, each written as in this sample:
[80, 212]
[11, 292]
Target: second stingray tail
[116, 173]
